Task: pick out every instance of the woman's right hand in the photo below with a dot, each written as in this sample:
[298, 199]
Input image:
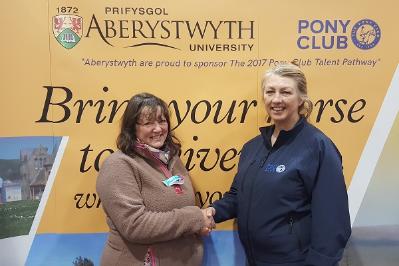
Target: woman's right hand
[208, 214]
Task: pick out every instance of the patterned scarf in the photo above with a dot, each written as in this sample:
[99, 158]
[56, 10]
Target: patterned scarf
[160, 159]
[161, 155]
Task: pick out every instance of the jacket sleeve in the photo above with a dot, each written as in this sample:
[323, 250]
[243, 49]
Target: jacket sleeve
[120, 196]
[226, 207]
[331, 226]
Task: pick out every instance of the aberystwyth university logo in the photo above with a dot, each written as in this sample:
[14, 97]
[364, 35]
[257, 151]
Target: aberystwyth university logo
[132, 27]
[67, 29]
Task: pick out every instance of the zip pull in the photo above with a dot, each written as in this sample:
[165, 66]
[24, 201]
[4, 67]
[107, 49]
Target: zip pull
[291, 222]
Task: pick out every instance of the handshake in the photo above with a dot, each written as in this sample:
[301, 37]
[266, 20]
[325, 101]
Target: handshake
[208, 214]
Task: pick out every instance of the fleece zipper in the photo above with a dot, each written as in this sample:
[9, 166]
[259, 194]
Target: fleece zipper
[250, 248]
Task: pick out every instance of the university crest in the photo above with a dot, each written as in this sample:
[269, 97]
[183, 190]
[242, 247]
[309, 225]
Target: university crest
[67, 29]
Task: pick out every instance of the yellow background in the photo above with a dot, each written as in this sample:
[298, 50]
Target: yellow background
[32, 58]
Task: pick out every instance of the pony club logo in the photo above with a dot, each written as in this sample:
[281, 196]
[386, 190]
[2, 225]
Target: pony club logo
[366, 34]
[335, 34]
[67, 29]
[274, 168]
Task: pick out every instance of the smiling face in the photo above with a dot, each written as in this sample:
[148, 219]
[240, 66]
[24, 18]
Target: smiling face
[152, 127]
[282, 100]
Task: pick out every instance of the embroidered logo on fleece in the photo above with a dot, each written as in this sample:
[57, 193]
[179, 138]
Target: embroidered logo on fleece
[274, 168]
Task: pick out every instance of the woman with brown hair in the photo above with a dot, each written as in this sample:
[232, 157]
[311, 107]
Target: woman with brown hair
[147, 194]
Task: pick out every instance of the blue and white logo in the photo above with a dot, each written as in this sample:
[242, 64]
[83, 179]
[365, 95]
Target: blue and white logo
[366, 34]
[270, 168]
[274, 168]
[280, 168]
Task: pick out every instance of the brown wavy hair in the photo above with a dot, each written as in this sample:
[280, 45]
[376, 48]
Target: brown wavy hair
[127, 137]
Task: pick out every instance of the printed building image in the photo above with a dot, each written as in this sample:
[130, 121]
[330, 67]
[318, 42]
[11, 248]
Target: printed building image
[10, 191]
[25, 178]
[25, 165]
[35, 168]
[38, 184]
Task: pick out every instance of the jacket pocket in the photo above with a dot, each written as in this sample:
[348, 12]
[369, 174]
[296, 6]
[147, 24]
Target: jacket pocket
[280, 248]
[300, 228]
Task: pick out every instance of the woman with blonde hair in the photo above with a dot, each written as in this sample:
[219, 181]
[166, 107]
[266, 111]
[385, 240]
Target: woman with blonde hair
[289, 194]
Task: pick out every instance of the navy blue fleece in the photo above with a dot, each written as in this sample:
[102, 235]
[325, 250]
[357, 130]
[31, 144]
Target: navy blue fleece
[289, 199]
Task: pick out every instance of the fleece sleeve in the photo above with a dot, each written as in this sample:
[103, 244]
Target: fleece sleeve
[226, 207]
[121, 199]
[329, 206]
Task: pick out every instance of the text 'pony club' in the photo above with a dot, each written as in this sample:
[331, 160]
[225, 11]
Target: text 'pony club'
[318, 34]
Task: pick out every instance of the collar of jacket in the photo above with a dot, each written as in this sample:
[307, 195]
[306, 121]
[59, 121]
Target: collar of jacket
[155, 162]
[283, 136]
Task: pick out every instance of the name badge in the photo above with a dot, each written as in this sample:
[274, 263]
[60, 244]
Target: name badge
[173, 180]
